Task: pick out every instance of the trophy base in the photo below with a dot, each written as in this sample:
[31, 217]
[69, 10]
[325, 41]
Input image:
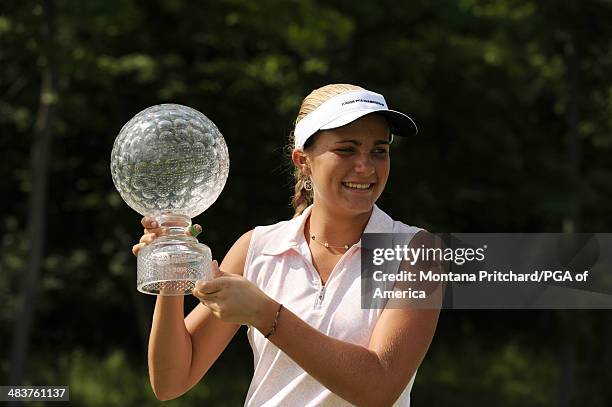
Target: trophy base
[168, 288]
[171, 265]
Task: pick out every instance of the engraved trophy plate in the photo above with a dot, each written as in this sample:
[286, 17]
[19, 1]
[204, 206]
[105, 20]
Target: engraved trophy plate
[170, 162]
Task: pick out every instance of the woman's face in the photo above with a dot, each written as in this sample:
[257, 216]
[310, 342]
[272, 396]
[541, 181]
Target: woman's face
[349, 165]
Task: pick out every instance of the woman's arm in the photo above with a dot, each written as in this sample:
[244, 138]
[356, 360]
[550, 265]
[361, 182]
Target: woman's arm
[169, 353]
[377, 374]
[181, 350]
[370, 376]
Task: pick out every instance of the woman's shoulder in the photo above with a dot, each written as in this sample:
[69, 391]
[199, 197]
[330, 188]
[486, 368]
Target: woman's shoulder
[283, 226]
[401, 227]
[416, 235]
[277, 237]
[385, 222]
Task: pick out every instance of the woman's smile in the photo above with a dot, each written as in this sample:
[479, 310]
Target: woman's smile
[358, 186]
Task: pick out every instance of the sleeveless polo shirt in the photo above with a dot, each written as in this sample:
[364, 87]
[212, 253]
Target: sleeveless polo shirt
[279, 262]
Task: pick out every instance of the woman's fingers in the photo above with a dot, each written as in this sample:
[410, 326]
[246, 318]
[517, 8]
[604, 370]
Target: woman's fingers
[211, 305]
[137, 247]
[149, 223]
[158, 231]
[208, 300]
[194, 230]
[211, 286]
[206, 296]
[152, 226]
[153, 230]
[148, 237]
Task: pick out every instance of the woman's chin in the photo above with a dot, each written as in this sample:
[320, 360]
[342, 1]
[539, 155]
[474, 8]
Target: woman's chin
[358, 204]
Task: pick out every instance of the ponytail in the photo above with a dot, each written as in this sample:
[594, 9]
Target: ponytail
[302, 198]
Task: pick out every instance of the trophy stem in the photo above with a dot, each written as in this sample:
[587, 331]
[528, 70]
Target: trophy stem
[176, 223]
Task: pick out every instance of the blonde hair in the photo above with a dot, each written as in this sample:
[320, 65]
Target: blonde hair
[301, 197]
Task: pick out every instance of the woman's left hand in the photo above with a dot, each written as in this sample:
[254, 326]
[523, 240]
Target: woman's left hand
[233, 298]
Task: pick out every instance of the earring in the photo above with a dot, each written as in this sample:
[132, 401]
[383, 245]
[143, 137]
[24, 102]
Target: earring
[308, 184]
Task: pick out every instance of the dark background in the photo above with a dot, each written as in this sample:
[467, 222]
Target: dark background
[514, 104]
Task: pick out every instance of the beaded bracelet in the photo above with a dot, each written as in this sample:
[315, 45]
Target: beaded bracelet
[275, 321]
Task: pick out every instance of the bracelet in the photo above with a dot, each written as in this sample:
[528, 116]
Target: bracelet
[275, 321]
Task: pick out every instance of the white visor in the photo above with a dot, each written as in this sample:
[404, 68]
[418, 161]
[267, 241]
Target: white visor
[347, 107]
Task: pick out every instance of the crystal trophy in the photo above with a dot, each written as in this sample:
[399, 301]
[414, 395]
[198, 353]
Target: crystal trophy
[170, 162]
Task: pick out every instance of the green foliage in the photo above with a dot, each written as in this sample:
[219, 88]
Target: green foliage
[505, 373]
[113, 380]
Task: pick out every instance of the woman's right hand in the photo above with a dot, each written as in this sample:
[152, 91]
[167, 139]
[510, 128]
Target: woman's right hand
[152, 231]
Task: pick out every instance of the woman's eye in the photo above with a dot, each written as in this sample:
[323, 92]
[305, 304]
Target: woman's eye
[345, 150]
[380, 151]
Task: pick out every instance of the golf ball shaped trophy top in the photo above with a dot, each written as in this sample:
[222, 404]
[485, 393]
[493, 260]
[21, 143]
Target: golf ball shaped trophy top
[170, 162]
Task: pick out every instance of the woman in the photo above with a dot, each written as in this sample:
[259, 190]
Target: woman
[296, 283]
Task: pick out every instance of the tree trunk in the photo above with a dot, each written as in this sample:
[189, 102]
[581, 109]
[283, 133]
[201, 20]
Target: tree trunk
[571, 223]
[572, 60]
[568, 368]
[39, 159]
[606, 360]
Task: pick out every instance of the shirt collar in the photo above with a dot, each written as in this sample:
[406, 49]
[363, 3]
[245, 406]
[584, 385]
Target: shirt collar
[291, 233]
[379, 222]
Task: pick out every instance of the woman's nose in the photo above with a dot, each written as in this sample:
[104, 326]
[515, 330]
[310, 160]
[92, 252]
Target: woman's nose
[364, 164]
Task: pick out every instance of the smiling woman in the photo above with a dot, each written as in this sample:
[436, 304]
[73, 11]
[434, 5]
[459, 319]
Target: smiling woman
[296, 284]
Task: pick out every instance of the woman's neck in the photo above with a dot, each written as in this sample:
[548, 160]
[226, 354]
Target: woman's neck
[335, 227]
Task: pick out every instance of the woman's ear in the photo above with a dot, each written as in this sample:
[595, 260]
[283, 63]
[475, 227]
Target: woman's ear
[300, 159]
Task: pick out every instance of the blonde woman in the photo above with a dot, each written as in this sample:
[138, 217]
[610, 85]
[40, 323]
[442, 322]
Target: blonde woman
[296, 284]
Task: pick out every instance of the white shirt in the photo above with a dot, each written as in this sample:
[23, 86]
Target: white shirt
[280, 263]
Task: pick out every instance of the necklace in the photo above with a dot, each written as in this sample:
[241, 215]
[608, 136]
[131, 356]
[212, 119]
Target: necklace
[327, 245]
